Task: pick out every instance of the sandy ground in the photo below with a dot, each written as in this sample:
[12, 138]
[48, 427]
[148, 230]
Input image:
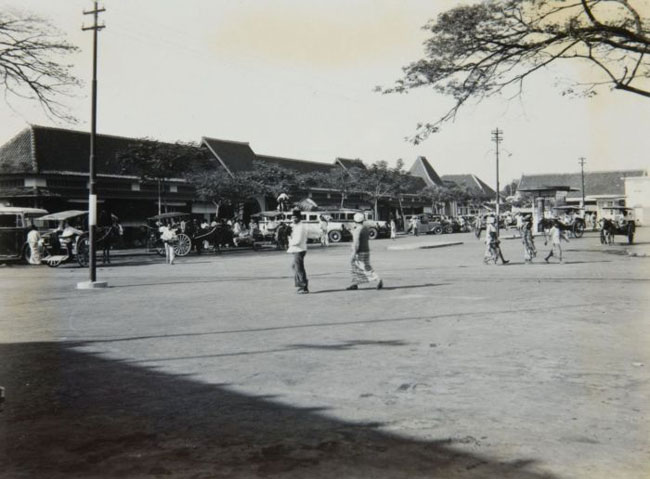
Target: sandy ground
[214, 367]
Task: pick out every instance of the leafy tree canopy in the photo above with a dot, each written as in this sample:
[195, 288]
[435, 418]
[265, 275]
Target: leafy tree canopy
[154, 160]
[480, 50]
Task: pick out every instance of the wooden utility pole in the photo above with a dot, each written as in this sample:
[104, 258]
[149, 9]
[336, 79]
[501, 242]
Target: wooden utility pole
[497, 138]
[582, 171]
[92, 195]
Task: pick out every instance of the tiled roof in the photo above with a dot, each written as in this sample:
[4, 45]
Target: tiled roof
[234, 155]
[471, 182]
[347, 163]
[16, 155]
[596, 182]
[423, 169]
[41, 149]
[300, 166]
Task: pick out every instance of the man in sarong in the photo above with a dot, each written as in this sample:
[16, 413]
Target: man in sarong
[527, 239]
[362, 272]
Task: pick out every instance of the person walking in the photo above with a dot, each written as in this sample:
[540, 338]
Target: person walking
[34, 241]
[168, 236]
[324, 239]
[527, 239]
[492, 247]
[298, 248]
[557, 235]
[393, 229]
[362, 272]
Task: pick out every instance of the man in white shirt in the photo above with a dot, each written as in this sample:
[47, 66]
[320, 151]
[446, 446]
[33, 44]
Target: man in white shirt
[298, 247]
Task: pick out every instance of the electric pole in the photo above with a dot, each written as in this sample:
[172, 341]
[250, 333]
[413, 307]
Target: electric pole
[497, 138]
[92, 196]
[582, 170]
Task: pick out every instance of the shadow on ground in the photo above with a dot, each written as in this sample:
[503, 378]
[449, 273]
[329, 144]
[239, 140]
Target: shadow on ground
[73, 414]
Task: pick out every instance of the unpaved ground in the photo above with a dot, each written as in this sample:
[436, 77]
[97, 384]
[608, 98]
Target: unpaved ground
[216, 368]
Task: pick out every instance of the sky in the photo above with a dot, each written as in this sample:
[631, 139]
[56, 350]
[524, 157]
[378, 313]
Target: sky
[297, 78]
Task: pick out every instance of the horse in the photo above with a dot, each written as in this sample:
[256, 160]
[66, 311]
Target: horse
[282, 234]
[106, 237]
[607, 231]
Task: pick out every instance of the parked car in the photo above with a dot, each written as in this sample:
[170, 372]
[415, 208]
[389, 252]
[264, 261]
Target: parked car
[427, 223]
[336, 230]
[15, 222]
[345, 216]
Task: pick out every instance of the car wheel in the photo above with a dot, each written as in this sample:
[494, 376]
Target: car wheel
[437, 230]
[334, 236]
[449, 229]
[372, 233]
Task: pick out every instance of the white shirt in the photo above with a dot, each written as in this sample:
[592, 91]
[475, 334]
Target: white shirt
[490, 228]
[298, 238]
[33, 236]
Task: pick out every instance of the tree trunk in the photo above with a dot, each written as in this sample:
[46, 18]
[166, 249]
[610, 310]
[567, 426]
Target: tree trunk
[218, 206]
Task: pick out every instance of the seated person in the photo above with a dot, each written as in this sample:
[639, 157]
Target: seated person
[67, 235]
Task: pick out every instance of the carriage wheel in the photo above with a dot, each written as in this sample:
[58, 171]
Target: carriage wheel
[183, 245]
[578, 229]
[53, 263]
[83, 248]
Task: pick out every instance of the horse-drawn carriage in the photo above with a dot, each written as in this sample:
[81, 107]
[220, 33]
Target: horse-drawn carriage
[571, 219]
[617, 220]
[67, 238]
[190, 235]
[176, 221]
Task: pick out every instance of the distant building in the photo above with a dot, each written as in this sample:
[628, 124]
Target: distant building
[602, 188]
[48, 167]
[637, 196]
[471, 183]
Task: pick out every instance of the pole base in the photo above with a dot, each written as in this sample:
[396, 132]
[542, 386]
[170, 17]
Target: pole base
[92, 284]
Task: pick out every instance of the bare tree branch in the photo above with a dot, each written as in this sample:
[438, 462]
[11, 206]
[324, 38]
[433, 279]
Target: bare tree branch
[28, 46]
[480, 50]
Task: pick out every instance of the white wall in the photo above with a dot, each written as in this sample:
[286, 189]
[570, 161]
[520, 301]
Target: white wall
[637, 193]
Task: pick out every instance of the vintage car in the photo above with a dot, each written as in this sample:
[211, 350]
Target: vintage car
[345, 216]
[427, 223]
[269, 221]
[15, 222]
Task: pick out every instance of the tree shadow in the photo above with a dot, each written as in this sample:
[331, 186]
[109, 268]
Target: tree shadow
[75, 414]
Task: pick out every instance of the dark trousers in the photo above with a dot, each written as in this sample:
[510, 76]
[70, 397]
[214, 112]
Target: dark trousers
[298, 266]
